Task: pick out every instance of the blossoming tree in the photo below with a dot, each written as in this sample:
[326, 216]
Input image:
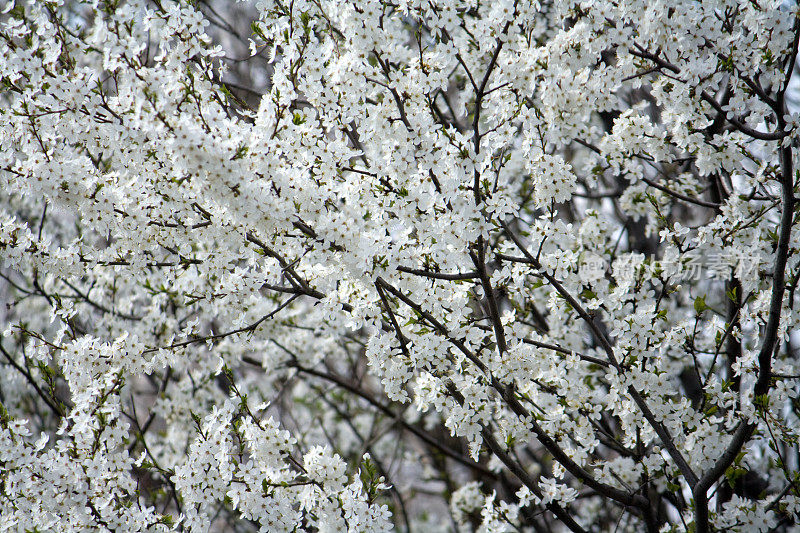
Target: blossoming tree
[423, 265]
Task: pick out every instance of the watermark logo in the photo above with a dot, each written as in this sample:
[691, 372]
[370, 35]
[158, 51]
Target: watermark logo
[715, 266]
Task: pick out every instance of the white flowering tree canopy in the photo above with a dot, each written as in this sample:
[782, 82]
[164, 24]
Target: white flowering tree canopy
[409, 265]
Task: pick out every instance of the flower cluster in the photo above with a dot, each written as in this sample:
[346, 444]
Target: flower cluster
[356, 265]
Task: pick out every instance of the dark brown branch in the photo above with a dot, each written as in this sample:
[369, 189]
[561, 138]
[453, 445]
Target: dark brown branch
[438, 275]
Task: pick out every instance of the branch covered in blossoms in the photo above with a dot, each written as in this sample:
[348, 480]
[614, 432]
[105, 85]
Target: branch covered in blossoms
[335, 265]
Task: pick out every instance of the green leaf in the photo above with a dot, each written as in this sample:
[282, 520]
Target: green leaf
[700, 304]
[731, 294]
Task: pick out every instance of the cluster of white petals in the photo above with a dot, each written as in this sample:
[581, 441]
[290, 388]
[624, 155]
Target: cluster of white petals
[414, 265]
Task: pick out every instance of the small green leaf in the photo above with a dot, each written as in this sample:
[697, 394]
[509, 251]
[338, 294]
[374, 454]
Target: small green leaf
[700, 304]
